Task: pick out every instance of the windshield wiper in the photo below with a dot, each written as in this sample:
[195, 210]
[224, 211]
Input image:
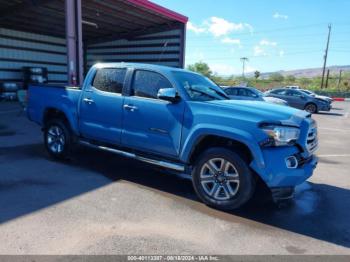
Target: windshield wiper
[201, 92]
[219, 93]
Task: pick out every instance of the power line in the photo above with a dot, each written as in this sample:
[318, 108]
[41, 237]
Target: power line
[258, 56]
[284, 29]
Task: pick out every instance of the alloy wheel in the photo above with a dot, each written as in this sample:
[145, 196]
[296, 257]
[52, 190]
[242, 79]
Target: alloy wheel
[56, 139]
[219, 179]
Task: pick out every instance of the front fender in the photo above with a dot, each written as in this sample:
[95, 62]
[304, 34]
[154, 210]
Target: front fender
[202, 130]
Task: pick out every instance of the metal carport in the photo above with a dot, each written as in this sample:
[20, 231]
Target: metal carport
[68, 36]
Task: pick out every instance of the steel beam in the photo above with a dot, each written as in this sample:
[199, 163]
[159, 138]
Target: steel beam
[74, 42]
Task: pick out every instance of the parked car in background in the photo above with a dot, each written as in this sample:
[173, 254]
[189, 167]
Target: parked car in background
[327, 98]
[251, 93]
[182, 121]
[298, 99]
[293, 87]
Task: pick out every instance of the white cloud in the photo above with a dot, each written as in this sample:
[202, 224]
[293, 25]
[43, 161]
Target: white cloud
[264, 48]
[249, 27]
[228, 70]
[224, 69]
[221, 27]
[196, 55]
[265, 42]
[281, 53]
[195, 29]
[229, 40]
[259, 51]
[279, 16]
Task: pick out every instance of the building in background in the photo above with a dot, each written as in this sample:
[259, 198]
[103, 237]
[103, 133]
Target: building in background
[68, 36]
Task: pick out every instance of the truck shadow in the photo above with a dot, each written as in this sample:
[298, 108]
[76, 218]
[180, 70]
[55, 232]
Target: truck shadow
[318, 210]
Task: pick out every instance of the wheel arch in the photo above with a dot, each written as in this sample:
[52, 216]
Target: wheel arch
[311, 103]
[202, 138]
[55, 113]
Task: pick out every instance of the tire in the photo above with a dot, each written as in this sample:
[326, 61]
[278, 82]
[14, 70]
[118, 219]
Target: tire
[58, 139]
[216, 190]
[311, 108]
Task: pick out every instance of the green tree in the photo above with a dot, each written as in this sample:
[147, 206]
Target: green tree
[276, 77]
[202, 68]
[256, 74]
[290, 79]
[304, 81]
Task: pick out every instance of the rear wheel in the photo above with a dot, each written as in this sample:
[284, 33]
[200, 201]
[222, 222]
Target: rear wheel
[222, 179]
[311, 108]
[57, 137]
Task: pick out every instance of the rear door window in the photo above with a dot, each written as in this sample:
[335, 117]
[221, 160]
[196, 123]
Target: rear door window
[110, 80]
[147, 84]
[279, 92]
[231, 91]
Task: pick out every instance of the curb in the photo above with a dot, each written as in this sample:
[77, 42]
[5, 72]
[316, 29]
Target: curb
[341, 99]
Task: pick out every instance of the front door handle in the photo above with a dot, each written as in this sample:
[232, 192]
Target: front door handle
[130, 108]
[88, 101]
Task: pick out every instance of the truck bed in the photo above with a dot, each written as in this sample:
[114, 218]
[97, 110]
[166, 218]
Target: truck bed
[44, 97]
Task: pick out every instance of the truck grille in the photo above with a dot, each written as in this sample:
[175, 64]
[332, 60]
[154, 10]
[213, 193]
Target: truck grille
[311, 139]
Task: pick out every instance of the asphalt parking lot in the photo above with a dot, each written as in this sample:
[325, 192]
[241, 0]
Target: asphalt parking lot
[98, 203]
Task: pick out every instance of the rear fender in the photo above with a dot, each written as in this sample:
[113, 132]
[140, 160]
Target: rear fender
[69, 113]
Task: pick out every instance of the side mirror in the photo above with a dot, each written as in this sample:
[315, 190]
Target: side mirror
[168, 94]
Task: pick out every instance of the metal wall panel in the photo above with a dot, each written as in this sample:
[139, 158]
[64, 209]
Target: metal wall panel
[18, 49]
[161, 48]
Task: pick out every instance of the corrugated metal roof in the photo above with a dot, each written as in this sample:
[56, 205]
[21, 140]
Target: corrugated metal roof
[113, 19]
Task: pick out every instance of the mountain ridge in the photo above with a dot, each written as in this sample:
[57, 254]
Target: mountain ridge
[308, 72]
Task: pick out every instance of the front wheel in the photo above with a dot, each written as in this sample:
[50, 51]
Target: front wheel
[57, 138]
[222, 179]
[311, 108]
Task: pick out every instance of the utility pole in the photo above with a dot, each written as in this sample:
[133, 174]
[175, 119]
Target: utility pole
[327, 78]
[326, 54]
[244, 60]
[339, 79]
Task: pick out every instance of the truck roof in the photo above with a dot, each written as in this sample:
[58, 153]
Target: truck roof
[141, 66]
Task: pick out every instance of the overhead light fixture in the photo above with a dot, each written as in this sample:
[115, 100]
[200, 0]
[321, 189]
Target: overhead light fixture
[90, 23]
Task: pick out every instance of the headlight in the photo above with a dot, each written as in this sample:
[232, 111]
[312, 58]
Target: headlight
[322, 101]
[281, 135]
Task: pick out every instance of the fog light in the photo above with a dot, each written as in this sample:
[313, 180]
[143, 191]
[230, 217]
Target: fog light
[291, 162]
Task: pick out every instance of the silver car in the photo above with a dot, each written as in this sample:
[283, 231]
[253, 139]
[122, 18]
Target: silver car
[298, 99]
[250, 93]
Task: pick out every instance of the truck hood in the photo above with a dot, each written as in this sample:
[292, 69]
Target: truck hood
[262, 112]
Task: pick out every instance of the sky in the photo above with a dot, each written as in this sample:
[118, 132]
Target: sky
[273, 34]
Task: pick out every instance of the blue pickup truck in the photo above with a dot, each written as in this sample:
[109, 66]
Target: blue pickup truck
[183, 122]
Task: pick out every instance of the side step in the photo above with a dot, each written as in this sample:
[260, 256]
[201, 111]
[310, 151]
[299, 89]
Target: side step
[165, 164]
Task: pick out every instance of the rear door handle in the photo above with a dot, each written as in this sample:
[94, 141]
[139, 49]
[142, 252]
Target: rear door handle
[130, 108]
[88, 101]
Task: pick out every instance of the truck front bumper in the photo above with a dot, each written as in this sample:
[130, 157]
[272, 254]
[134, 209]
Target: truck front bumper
[276, 172]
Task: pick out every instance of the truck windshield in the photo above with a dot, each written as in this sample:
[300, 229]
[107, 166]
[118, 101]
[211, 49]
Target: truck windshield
[199, 88]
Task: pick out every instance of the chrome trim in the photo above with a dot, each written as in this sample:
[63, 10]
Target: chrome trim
[312, 138]
[165, 164]
[295, 161]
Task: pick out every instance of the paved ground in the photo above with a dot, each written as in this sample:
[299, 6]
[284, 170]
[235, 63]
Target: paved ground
[101, 204]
